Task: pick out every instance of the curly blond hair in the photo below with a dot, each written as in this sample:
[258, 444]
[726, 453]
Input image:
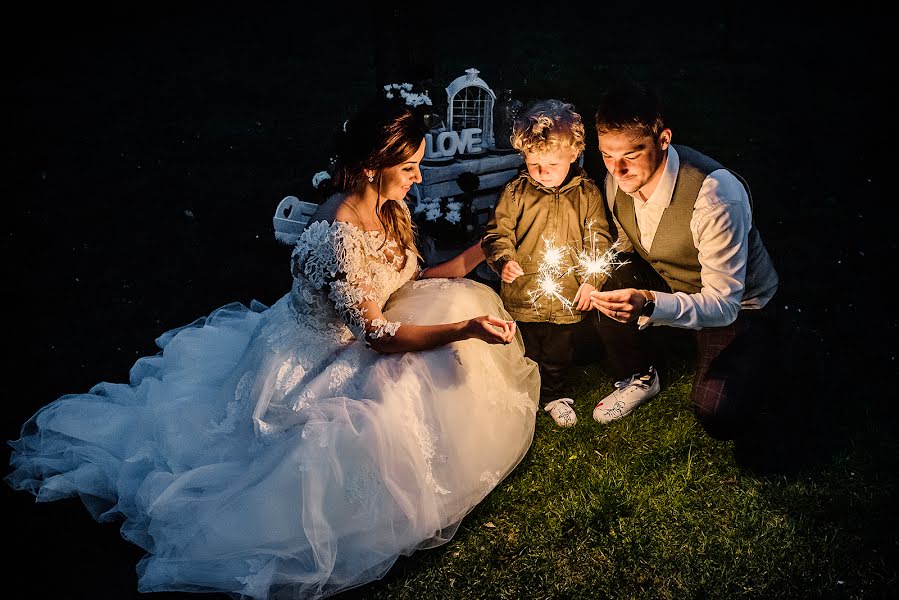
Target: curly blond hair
[547, 126]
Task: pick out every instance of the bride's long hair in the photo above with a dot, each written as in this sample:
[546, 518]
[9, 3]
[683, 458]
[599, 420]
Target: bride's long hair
[381, 135]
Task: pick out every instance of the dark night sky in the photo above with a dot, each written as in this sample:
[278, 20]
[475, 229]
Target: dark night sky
[147, 148]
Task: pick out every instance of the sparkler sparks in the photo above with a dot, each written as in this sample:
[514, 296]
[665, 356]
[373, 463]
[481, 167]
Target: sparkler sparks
[549, 275]
[591, 264]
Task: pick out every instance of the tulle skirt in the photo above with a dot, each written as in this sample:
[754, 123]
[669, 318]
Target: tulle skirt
[264, 455]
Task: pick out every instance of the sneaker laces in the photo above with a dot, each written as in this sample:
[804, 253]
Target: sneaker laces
[642, 379]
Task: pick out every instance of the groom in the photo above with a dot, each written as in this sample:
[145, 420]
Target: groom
[698, 263]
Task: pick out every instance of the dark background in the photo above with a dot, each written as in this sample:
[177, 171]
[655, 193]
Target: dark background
[147, 147]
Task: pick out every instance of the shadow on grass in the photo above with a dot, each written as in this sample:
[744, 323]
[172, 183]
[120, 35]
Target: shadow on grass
[798, 424]
[801, 425]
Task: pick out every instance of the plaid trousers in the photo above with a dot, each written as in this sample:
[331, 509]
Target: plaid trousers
[736, 371]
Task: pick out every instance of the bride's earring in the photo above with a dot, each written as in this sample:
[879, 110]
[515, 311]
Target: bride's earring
[371, 178]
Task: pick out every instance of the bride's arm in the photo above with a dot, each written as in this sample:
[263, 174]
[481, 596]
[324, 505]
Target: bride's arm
[458, 266]
[344, 262]
[388, 337]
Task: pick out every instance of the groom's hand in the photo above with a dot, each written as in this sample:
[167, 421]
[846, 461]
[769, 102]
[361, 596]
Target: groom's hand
[622, 305]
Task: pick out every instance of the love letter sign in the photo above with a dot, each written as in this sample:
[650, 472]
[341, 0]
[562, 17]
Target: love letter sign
[450, 143]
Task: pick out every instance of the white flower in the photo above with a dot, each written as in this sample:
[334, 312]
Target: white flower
[424, 204]
[453, 216]
[405, 92]
[436, 208]
[417, 99]
[319, 177]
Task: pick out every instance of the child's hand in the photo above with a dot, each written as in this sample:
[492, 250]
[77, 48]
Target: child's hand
[512, 271]
[582, 298]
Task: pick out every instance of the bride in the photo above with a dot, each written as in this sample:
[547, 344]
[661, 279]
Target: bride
[297, 450]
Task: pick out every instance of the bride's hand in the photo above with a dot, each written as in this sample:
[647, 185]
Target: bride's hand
[490, 329]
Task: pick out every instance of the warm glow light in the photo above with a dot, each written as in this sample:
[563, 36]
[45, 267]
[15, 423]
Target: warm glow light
[549, 275]
[592, 264]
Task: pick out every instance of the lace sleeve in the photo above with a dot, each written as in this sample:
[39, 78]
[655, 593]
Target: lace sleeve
[338, 258]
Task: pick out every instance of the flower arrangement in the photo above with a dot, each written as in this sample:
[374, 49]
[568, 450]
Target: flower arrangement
[444, 219]
[320, 178]
[433, 209]
[404, 90]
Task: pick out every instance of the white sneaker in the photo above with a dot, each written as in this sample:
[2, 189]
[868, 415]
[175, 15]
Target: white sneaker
[562, 412]
[629, 394]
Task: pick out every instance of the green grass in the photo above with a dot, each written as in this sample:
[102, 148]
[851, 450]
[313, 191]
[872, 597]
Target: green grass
[652, 507]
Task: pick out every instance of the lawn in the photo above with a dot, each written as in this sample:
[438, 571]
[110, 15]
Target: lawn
[651, 507]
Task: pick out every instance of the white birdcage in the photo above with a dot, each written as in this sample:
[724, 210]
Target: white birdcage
[470, 104]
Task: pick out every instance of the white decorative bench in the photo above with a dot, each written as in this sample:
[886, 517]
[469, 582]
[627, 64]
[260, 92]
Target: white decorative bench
[493, 172]
[291, 218]
[292, 214]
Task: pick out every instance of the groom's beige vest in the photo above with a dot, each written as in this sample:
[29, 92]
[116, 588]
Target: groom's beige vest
[673, 254]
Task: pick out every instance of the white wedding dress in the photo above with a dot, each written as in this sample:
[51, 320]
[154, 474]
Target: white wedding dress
[268, 453]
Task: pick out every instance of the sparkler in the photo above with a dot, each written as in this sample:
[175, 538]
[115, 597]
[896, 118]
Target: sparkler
[591, 264]
[549, 275]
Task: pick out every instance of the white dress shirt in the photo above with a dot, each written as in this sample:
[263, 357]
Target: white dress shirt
[722, 218]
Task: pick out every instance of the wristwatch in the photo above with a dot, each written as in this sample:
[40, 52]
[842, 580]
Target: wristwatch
[649, 305]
